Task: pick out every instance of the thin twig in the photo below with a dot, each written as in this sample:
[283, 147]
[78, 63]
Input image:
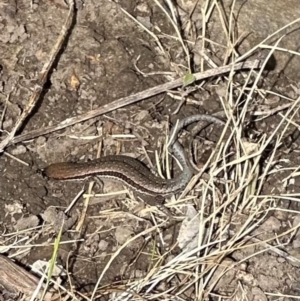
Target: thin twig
[42, 79]
[125, 101]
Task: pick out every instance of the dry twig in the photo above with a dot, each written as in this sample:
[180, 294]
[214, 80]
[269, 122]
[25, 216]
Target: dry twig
[42, 79]
[255, 64]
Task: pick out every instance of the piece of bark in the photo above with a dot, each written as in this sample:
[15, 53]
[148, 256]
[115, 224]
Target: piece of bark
[15, 280]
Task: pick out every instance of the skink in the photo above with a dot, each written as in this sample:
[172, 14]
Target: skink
[131, 171]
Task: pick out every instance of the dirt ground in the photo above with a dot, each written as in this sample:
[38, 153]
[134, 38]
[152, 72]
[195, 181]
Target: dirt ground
[108, 56]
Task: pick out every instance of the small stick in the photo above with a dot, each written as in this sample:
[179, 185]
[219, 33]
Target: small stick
[122, 102]
[42, 78]
[15, 279]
